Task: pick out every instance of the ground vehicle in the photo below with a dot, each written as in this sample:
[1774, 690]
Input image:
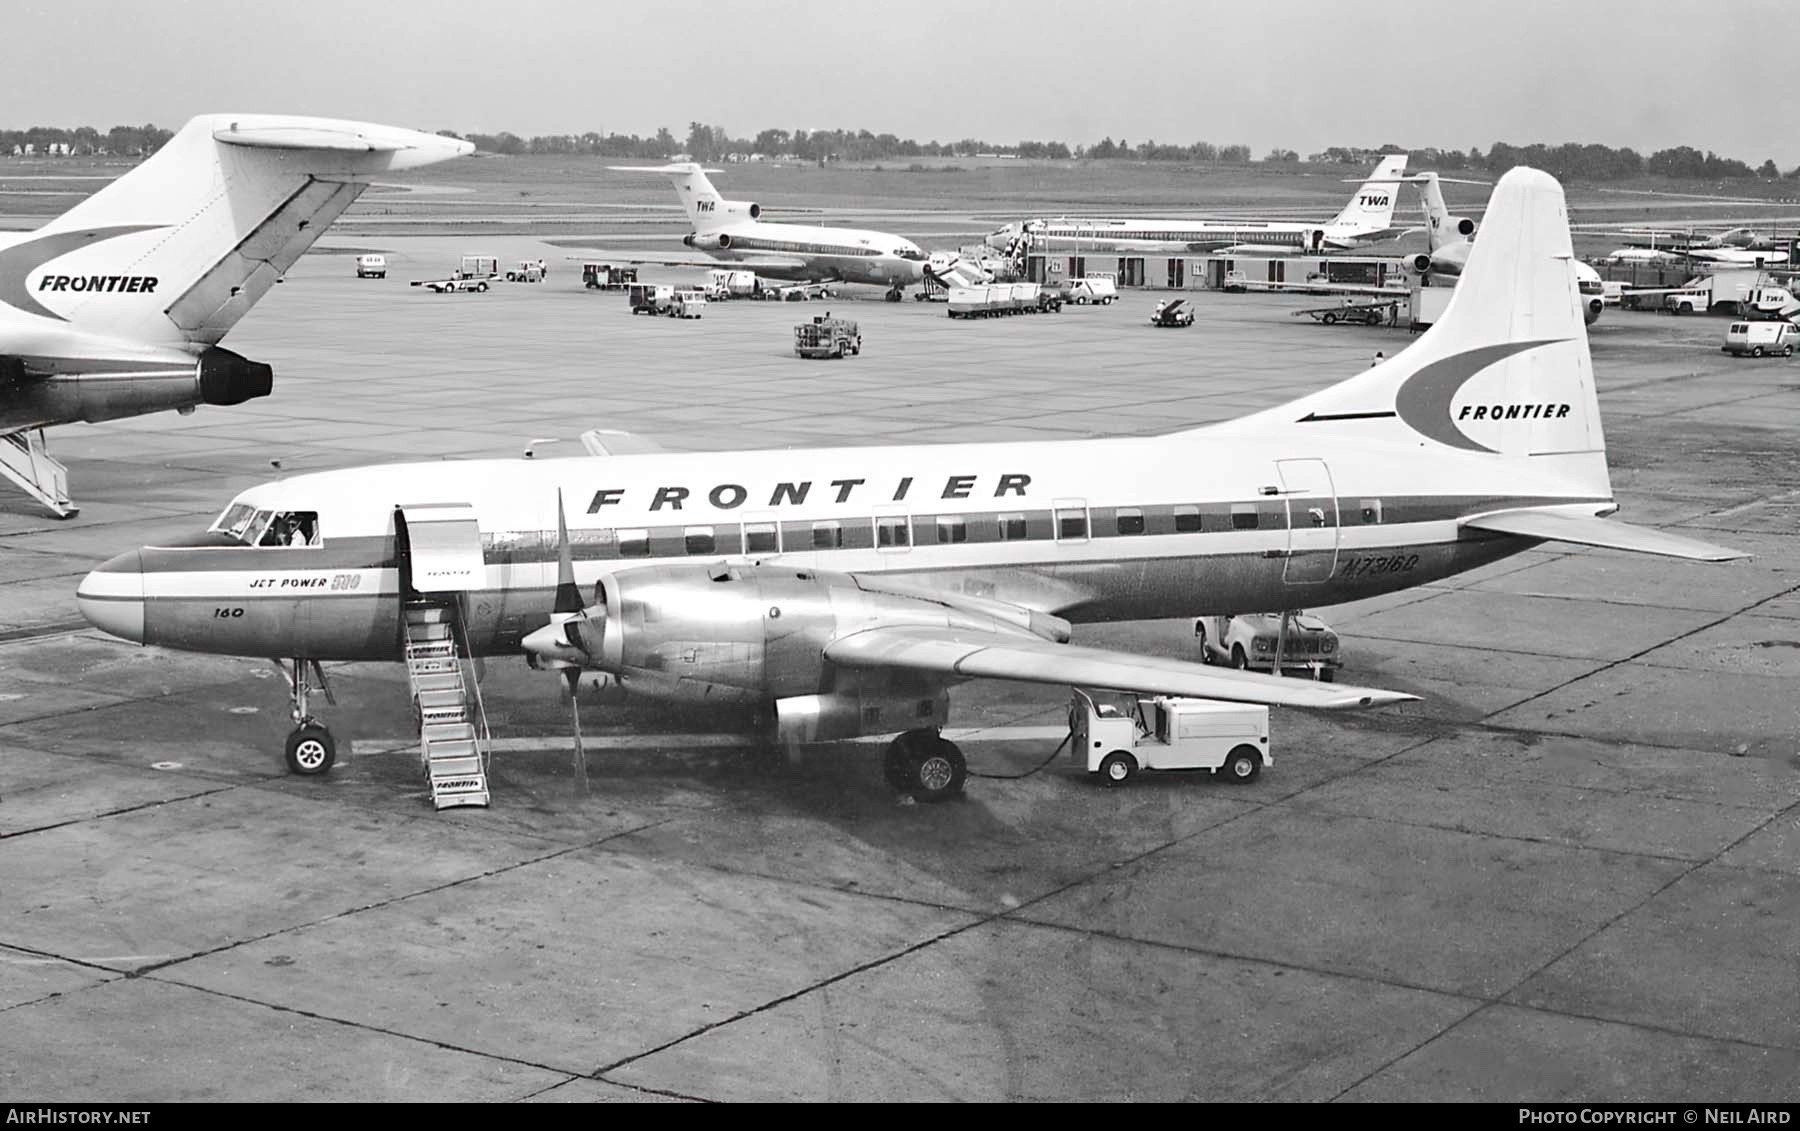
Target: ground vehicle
[687, 303]
[989, 300]
[1173, 312]
[724, 284]
[528, 271]
[474, 275]
[1759, 339]
[1236, 283]
[1093, 288]
[650, 298]
[800, 292]
[826, 336]
[606, 277]
[1251, 641]
[1741, 291]
[1117, 740]
[1426, 305]
[1367, 313]
[371, 267]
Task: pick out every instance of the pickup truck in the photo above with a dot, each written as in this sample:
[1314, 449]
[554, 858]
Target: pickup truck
[1248, 641]
[1236, 283]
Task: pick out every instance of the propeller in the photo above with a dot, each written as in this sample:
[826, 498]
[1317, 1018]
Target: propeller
[554, 646]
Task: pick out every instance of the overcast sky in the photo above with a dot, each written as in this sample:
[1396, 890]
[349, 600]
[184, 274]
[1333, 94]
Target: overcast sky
[1302, 74]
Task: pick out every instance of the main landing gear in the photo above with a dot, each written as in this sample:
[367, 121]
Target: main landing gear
[895, 294]
[925, 764]
[310, 748]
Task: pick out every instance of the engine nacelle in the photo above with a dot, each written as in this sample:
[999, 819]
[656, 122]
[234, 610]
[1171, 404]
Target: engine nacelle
[708, 241]
[1462, 226]
[1419, 264]
[748, 209]
[113, 389]
[757, 633]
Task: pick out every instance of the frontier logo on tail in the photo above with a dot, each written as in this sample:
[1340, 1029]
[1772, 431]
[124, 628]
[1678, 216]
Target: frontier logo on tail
[20, 260]
[1424, 400]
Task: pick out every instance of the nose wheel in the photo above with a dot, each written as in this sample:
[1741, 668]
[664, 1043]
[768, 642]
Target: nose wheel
[925, 764]
[310, 748]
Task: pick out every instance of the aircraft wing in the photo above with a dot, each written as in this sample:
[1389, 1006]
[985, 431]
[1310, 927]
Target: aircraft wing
[1592, 530]
[613, 442]
[967, 654]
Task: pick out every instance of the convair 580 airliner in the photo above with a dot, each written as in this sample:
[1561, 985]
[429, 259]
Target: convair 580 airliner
[116, 308]
[848, 589]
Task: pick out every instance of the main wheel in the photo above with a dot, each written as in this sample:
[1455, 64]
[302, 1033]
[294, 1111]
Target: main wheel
[1243, 764]
[1329, 318]
[939, 775]
[1117, 768]
[1238, 659]
[310, 750]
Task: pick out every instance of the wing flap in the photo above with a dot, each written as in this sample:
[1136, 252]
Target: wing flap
[974, 655]
[1592, 530]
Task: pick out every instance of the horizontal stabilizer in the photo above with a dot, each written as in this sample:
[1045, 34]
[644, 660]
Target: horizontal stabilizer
[613, 442]
[964, 654]
[1592, 530]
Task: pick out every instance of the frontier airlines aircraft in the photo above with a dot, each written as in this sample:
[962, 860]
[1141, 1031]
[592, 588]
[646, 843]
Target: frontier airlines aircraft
[116, 307]
[846, 590]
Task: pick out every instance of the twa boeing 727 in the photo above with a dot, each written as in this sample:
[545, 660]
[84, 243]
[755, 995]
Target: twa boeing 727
[116, 308]
[847, 590]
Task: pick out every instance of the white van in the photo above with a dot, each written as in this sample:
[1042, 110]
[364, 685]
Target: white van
[1760, 338]
[1093, 288]
[371, 267]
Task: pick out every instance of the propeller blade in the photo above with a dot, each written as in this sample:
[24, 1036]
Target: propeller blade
[568, 597]
[573, 675]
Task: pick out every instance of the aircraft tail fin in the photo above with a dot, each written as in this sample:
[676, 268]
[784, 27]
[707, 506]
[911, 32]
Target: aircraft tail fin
[1371, 210]
[704, 206]
[179, 248]
[1504, 372]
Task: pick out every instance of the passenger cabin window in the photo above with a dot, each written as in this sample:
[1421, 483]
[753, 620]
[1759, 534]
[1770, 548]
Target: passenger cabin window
[291, 528]
[1071, 523]
[700, 540]
[1243, 516]
[892, 532]
[952, 528]
[1012, 528]
[634, 543]
[1371, 512]
[1131, 520]
[827, 536]
[760, 538]
[1187, 519]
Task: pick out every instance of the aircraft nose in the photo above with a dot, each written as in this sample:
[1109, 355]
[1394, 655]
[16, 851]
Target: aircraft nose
[112, 597]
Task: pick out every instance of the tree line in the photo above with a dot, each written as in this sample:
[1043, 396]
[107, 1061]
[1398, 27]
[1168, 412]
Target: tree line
[1569, 161]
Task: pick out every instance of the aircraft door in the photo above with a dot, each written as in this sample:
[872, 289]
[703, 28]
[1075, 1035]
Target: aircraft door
[440, 549]
[1312, 514]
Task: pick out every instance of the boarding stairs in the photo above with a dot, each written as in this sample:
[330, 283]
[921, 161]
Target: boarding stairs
[454, 742]
[26, 461]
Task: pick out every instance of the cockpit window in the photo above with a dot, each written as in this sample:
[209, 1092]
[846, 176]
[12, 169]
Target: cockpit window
[236, 519]
[909, 253]
[292, 528]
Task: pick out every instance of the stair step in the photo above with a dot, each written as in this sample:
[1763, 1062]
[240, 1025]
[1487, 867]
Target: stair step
[451, 799]
[428, 632]
[460, 732]
[437, 684]
[427, 614]
[451, 748]
[442, 768]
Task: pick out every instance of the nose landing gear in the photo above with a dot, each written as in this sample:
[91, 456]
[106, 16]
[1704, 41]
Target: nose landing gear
[310, 748]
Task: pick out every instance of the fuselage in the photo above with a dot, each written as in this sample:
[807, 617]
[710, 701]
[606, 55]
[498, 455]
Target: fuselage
[1195, 523]
[849, 255]
[1178, 237]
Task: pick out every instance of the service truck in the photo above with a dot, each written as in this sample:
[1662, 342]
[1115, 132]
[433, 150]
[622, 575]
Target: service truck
[650, 298]
[722, 284]
[606, 277]
[826, 336]
[475, 273]
[1117, 736]
[1093, 289]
